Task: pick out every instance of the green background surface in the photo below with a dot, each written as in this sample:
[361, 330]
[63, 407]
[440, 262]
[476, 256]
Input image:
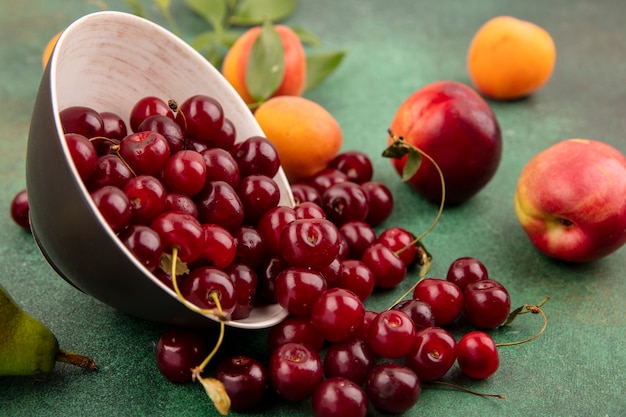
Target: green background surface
[394, 47]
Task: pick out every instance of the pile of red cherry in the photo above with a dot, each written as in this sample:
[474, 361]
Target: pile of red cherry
[176, 179]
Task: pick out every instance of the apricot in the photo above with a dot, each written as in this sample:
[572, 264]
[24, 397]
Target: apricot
[509, 58]
[47, 51]
[235, 63]
[306, 136]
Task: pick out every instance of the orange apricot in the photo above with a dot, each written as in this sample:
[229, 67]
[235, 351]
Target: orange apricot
[509, 58]
[47, 51]
[235, 63]
[306, 136]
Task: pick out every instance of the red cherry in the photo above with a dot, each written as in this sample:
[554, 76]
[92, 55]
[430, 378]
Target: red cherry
[295, 371]
[477, 355]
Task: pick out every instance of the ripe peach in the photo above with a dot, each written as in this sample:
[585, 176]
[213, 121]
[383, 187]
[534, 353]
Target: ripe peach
[236, 60]
[455, 126]
[571, 200]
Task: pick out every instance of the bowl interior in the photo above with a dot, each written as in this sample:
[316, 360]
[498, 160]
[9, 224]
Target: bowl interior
[108, 61]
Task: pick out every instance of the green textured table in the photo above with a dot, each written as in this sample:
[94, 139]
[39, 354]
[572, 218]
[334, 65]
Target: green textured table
[394, 47]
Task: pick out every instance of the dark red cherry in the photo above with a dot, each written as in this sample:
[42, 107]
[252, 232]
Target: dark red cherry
[113, 127]
[81, 120]
[477, 355]
[179, 350]
[201, 117]
[295, 330]
[256, 155]
[200, 285]
[83, 155]
[486, 304]
[20, 210]
[180, 230]
[433, 353]
[295, 371]
[114, 206]
[245, 380]
[167, 127]
[146, 107]
[309, 243]
[144, 243]
[339, 397]
[393, 388]
[146, 153]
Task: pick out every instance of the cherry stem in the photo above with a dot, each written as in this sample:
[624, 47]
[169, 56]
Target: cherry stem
[214, 388]
[220, 339]
[480, 394]
[400, 142]
[526, 308]
[76, 359]
[210, 311]
[426, 265]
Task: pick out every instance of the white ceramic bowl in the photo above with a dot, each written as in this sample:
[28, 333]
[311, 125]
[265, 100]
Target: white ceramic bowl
[107, 61]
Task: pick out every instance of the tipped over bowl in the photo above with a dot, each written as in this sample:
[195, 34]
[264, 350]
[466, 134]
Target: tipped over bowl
[108, 61]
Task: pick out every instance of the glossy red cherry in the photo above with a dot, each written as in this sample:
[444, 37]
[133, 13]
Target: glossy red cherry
[82, 120]
[146, 153]
[309, 243]
[167, 127]
[113, 127]
[295, 371]
[146, 107]
[433, 353]
[147, 198]
[297, 289]
[83, 154]
[393, 388]
[219, 248]
[246, 282]
[295, 330]
[245, 380]
[380, 202]
[444, 298]
[477, 355]
[387, 267]
[400, 241]
[391, 334]
[486, 304]
[339, 397]
[179, 350]
[355, 164]
[337, 314]
[180, 230]
[185, 172]
[465, 270]
[114, 206]
[202, 282]
[352, 359]
[144, 243]
[200, 117]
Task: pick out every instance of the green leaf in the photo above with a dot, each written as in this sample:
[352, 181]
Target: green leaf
[136, 7]
[266, 64]
[213, 11]
[320, 65]
[306, 36]
[395, 151]
[412, 164]
[163, 4]
[255, 12]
